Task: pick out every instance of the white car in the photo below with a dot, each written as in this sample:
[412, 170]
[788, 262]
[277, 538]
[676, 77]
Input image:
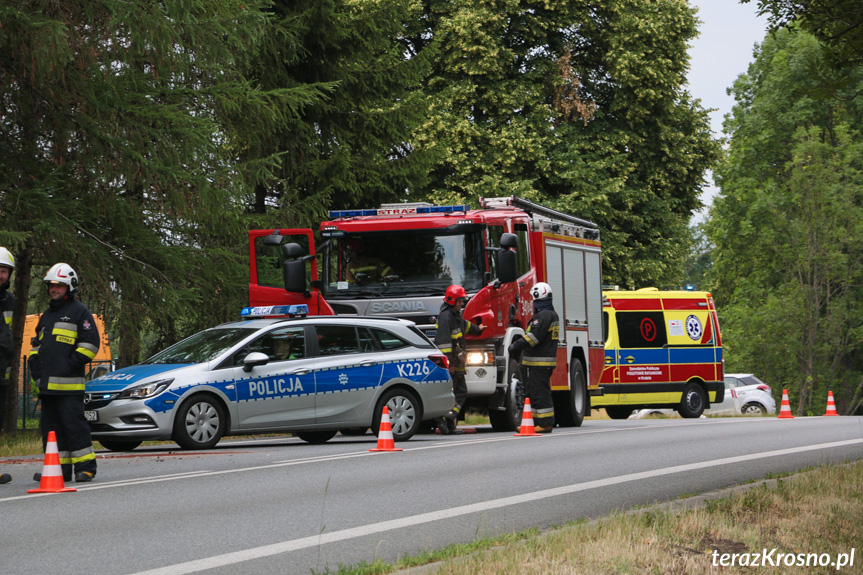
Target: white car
[745, 394]
[311, 376]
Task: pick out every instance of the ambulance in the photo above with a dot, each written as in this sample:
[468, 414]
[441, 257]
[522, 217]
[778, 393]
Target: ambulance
[662, 349]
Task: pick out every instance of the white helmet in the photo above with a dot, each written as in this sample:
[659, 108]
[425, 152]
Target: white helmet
[541, 290]
[64, 274]
[6, 259]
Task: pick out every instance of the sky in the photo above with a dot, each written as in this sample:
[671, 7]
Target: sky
[728, 33]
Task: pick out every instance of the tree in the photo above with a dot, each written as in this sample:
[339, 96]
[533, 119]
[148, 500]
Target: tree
[117, 156]
[577, 105]
[787, 227]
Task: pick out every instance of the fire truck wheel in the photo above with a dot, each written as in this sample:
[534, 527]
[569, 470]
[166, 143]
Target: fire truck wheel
[510, 418]
[316, 436]
[404, 410]
[693, 402]
[570, 407]
[119, 444]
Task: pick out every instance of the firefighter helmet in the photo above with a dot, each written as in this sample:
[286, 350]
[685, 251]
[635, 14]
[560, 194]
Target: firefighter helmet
[541, 291]
[454, 293]
[64, 274]
[6, 259]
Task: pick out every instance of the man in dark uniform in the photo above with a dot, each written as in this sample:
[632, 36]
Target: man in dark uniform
[540, 356]
[7, 344]
[67, 339]
[450, 332]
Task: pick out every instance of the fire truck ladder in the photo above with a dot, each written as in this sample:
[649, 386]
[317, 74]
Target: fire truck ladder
[532, 208]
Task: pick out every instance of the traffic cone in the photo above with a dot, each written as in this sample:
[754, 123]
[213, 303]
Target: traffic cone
[527, 429]
[785, 410]
[386, 442]
[831, 406]
[52, 473]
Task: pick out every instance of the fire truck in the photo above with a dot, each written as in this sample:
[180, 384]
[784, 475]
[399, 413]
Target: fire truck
[397, 260]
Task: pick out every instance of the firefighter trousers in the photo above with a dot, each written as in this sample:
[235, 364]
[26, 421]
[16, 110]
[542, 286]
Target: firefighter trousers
[538, 389]
[459, 389]
[64, 415]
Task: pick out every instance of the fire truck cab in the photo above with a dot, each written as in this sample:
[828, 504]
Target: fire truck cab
[397, 260]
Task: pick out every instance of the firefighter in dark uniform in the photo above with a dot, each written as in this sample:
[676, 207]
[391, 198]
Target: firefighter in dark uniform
[67, 339]
[539, 356]
[7, 344]
[450, 332]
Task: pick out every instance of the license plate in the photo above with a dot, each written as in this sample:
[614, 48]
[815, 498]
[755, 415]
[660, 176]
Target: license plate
[91, 415]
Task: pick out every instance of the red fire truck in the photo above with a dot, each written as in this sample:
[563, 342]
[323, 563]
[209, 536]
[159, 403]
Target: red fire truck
[398, 260]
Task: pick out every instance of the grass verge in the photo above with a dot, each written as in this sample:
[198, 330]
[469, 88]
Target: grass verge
[811, 517]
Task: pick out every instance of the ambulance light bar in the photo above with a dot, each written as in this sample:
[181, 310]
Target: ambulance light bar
[398, 210]
[297, 310]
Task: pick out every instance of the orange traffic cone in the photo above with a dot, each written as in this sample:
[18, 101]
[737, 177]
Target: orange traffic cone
[831, 406]
[527, 429]
[785, 410]
[52, 473]
[386, 442]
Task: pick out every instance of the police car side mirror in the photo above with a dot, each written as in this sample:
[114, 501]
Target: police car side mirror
[254, 359]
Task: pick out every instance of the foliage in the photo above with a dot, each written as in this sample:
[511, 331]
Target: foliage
[788, 227]
[579, 105]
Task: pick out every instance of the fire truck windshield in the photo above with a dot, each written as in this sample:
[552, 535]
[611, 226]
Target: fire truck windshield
[403, 263]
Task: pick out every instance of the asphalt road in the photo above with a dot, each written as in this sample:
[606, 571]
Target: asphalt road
[281, 506]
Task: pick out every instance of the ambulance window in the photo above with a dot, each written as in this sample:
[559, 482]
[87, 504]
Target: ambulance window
[641, 329]
[604, 326]
[523, 251]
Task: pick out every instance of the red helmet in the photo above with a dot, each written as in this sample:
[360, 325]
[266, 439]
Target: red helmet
[453, 293]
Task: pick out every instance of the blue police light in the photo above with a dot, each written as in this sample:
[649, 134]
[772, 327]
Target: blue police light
[296, 310]
[689, 287]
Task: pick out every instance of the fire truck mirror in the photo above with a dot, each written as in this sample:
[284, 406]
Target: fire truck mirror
[294, 275]
[509, 241]
[507, 266]
[292, 250]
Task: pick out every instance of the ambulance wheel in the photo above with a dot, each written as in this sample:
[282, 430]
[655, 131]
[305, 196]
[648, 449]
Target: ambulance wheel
[693, 402]
[119, 444]
[510, 418]
[571, 406]
[404, 410]
[200, 423]
[316, 436]
[618, 411]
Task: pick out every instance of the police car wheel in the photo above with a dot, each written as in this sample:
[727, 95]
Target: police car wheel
[693, 402]
[316, 436]
[404, 411]
[119, 444]
[200, 422]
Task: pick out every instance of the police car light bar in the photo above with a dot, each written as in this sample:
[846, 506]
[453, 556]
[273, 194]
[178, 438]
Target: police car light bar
[398, 210]
[297, 310]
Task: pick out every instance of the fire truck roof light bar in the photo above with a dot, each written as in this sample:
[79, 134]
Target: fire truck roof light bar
[398, 210]
[529, 206]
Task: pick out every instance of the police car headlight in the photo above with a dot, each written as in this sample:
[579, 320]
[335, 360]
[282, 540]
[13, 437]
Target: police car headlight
[480, 357]
[146, 389]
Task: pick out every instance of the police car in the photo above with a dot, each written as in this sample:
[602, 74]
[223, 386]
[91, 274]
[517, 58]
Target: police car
[311, 376]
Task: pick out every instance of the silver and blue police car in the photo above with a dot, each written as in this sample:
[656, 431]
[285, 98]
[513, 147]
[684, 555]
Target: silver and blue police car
[311, 376]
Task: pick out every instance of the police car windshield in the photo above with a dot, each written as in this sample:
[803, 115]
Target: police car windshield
[204, 346]
[404, 262]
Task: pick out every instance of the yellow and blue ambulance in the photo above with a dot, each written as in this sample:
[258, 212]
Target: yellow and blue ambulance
[662, 349]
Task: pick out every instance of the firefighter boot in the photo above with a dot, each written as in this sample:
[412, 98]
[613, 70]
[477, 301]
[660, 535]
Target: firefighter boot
[84, 476]
[5, 478]
[442, 425]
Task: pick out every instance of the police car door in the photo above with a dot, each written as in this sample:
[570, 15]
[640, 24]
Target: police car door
[282, 392]
[347, 373]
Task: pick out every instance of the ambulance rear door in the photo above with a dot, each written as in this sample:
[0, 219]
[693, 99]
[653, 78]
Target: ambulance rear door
[641, 353]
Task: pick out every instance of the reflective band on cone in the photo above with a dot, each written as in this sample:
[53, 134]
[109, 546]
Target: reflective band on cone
[527, 429]
[52, 473]
[831, 406]
[785, 411]
[386, 442]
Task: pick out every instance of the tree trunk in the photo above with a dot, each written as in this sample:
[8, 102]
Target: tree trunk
[21, 291]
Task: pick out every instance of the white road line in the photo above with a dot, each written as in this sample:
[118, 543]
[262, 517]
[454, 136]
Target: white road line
[374, 528]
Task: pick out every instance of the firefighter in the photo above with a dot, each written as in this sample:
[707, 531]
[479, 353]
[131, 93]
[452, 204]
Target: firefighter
[450, 331]
[539, 357]
[67, 339]
[364, 268]
[7, 347]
